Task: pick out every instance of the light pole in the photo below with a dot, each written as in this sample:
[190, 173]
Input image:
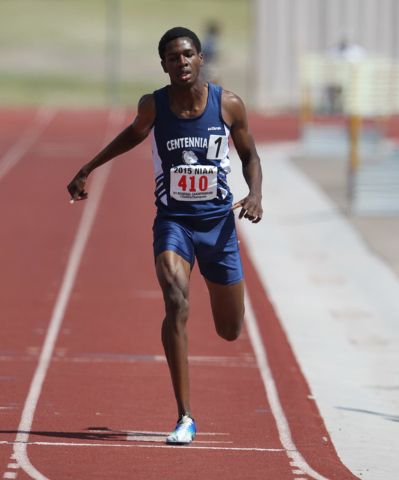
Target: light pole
[113, 52]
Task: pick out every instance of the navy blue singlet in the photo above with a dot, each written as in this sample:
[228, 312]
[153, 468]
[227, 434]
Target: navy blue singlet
[191, 160]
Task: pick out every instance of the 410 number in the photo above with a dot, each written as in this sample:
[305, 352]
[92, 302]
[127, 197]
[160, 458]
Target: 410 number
[202, 184]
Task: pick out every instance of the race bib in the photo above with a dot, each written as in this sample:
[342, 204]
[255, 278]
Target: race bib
[217, 147]
[193, 183]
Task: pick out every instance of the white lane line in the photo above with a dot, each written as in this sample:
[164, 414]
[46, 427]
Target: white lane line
[157, 439]
[119, 445]
[96, 189]
[129, 432]
[272, 394]
[11, 466]
[43, 117]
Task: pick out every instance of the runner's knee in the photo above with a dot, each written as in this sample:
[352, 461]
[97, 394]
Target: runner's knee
[176, 303]
[229, 328]
[229, 334]
[174, 275]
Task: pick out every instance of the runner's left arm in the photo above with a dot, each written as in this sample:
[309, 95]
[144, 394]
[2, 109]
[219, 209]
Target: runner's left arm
[234, 113]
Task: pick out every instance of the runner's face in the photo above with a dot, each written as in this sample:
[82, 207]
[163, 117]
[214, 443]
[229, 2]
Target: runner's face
[182, 62]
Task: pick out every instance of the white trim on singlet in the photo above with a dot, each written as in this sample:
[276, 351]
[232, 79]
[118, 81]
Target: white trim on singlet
[225, 161]
[158, 172]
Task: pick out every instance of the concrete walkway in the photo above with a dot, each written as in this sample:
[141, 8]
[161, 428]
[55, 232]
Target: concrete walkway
[334, 282]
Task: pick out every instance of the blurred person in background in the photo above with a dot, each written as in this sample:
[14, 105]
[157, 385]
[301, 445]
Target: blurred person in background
[347, 51]
[211, 52]
[344, 51]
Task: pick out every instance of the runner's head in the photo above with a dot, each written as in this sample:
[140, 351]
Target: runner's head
[178, 32]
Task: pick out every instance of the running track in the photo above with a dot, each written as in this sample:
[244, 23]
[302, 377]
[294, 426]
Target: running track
[84, 387]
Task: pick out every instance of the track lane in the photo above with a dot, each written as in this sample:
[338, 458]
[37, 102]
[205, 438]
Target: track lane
[305, 424]
[93, 371]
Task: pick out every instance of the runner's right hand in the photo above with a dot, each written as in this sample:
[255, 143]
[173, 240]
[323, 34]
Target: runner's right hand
[77, 187]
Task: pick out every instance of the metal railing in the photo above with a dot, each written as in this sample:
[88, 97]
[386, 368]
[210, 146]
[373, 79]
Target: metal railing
[364, 95]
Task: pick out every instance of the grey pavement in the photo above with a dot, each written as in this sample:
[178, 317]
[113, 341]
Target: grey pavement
[381, 232]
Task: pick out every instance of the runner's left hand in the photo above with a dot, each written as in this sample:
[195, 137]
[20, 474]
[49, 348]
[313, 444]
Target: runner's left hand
[251, 208]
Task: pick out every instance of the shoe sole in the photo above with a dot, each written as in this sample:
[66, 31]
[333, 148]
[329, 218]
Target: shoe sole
[178, 443]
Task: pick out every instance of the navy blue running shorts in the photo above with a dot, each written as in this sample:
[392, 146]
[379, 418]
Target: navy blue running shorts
[212, 241]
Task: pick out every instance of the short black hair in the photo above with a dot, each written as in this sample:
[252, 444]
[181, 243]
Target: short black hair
[177, 32]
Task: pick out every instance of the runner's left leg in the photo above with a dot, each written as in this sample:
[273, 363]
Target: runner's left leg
[227, 303]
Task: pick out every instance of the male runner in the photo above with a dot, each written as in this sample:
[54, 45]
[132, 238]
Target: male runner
[190, 122]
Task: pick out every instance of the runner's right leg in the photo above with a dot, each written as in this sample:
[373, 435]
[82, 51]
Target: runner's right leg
[173, 274]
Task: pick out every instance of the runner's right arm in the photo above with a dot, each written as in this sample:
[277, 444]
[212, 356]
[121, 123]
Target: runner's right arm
[129, 138]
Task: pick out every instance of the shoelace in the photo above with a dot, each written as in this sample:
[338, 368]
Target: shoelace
[185, 422]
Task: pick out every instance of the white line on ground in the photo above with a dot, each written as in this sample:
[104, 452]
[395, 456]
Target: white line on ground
[272, 394]
[129, 432]
[161, 439]
[59, 444]
[99, 179]
[43, 117]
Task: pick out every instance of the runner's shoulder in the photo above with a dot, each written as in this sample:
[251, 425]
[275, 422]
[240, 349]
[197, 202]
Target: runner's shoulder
[231, 98]
[233, 107]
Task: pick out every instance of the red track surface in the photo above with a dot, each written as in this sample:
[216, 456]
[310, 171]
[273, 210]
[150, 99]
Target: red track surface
[107, 376]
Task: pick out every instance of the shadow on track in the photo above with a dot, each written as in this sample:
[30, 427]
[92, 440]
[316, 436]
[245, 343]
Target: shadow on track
[91, 433]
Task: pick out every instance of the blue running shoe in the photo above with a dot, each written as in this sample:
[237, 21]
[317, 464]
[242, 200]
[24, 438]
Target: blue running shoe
[184, 433]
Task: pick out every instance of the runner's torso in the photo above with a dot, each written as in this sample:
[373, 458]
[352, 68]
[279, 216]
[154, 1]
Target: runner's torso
[191, 160]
